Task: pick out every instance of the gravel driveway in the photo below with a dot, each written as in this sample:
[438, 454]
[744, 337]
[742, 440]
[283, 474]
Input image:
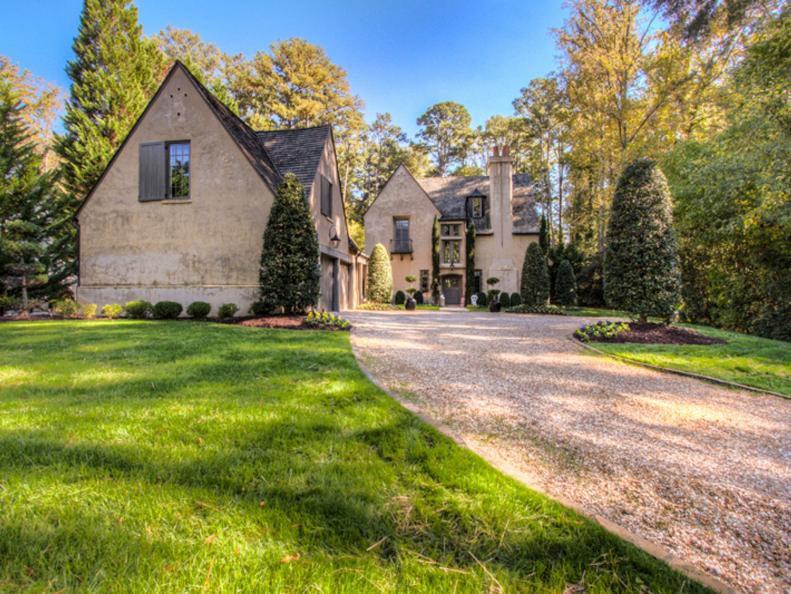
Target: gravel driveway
[702, 470]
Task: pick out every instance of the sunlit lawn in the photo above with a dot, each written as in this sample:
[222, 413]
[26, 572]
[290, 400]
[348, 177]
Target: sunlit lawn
[174, 457]
[749, 360]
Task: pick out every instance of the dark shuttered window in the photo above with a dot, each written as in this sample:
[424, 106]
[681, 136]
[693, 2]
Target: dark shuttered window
[326, 197]
[153, 173]
[178, 170]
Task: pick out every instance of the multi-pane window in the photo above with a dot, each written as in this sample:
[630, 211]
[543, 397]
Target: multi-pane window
[326, 197]
[401, 242]
[477, 207]
[451, 230]
[178, 170]
[450, 251]
[424, 280]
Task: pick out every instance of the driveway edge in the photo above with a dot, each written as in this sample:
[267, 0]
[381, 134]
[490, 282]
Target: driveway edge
[645, 545]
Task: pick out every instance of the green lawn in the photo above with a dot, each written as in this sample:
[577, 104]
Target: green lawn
[424, 306]
[179, 456]
[749, 360]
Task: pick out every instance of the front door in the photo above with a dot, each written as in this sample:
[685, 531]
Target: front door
[451, 288]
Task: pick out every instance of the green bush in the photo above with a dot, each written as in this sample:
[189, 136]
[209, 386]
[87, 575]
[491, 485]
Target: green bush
[516, 299]
[326, 321]
[65, 307]
[112, 310]
[380, 275]
[262, 308]
[373, 306]
[228, 310]
[418, 297]
[550, 310]
[198, 310]
[565, 285]
[535, 277]
[167, 310]
[400, 297]
[88, 310]
[505, 300]
[482, 301]
[290, 271]
[602, 331]
[641, 271]
[138, 310]
[7, 302]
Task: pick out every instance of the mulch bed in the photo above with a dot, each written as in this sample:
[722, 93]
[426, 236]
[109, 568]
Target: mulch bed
[650, 333]
[290, 322]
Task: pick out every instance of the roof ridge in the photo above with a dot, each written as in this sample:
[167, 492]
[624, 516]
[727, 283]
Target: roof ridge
[328, 126]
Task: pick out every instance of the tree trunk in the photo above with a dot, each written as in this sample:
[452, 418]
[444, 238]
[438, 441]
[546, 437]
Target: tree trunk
[25, 304]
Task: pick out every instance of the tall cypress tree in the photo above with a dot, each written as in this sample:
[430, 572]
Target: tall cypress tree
[469, 245]
[114, 74]
[535, 277]
[435, 253]
[25, 202]
[543, 235]
[290, 272]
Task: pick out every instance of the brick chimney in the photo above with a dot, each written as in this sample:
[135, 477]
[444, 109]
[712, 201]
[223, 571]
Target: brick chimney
[501, 189]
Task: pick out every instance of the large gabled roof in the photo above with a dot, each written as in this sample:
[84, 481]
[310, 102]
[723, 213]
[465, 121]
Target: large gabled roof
[297, 151]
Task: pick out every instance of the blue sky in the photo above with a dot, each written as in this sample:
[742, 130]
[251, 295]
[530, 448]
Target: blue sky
[401, 56]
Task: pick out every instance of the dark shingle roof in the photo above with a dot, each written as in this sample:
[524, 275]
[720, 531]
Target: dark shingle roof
[449, 195]
[296, 151]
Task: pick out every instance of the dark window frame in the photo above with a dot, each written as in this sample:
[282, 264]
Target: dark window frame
[477, 282]
[169, 171]
[424, 281]
[325, 199]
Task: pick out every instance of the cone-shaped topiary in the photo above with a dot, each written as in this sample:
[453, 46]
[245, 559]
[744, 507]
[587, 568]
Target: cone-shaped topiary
[641, 273]
[535, 277]
[400, 297]
[565, 285]
[380, 275]
[289, 275]
[505, 299]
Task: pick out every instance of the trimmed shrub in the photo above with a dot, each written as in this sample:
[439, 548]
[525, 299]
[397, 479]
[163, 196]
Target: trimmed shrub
[372, 306]
[565, 285]
[482, 300]
[290, 271]
[228, 310]
[601, 331]
[138, 310]
[550, 310]
[167, 310]
[198, 310]
[505, 300]
[65, 307]
[88, 310]
[641, 271]
[400, 297]
[418, 297]
[516, 299]
[112, 310]
[326, 321]
[262, 308]
[535, 277]
[380, 275]
[469, 261]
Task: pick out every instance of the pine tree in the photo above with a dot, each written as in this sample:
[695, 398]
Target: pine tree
[469, 244]
[114, 74]
[641, 272]
[565, 284]
[535, 277]
[543, 236]
[290, 273]
[25, 202]
[380, 275]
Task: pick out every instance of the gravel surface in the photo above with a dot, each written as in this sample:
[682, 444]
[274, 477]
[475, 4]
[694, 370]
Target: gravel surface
[703, 470]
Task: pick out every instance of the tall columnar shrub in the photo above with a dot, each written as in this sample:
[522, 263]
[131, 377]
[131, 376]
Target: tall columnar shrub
[290, 274]
[565, 284]
[380, 275]
[435, 253]
[469, 262]
[641, 272]
[535, 277]
[543, 235]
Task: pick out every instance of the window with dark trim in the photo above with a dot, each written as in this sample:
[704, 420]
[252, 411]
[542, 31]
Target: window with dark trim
[476, 282]
[477, 207]
[401, 241]
[326, 197]
[164, 170]
[424, 281]
[178, 169]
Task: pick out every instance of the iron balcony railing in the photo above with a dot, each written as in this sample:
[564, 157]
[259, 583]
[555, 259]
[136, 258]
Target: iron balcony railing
[400, 246]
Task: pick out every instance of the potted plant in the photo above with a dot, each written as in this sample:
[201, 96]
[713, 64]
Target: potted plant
[494, 294]
[410, 304]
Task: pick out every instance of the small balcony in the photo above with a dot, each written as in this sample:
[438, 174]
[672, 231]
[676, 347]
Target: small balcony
[400, 246]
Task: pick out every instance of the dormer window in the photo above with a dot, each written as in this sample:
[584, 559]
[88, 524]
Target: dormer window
[476, 205]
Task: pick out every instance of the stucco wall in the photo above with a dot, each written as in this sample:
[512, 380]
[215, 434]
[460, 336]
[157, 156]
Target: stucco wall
[502, 259]
[402, 197]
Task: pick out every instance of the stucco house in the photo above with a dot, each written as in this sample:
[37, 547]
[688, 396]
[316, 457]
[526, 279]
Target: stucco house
[180, 211]
[501, 205]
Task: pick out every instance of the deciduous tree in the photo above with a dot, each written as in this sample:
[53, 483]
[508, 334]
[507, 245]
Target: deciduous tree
[445, 132]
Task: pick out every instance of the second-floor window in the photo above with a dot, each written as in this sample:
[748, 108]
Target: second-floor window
[450, 251]
[451, 230]
[477, 207]
[164, 170]
[326, 197]
[179, 169]
[401, 235]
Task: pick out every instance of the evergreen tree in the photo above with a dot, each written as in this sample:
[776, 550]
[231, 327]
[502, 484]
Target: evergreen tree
[641, 273]
[380, 275]
[114, 74]
[445, 132]
[535, 277]
[543, 236]
[565, 284]
[290, 273]
[469, 281]
[435, 253]
[25, 202]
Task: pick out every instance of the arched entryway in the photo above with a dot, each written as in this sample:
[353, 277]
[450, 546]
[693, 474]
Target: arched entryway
[451, 288]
